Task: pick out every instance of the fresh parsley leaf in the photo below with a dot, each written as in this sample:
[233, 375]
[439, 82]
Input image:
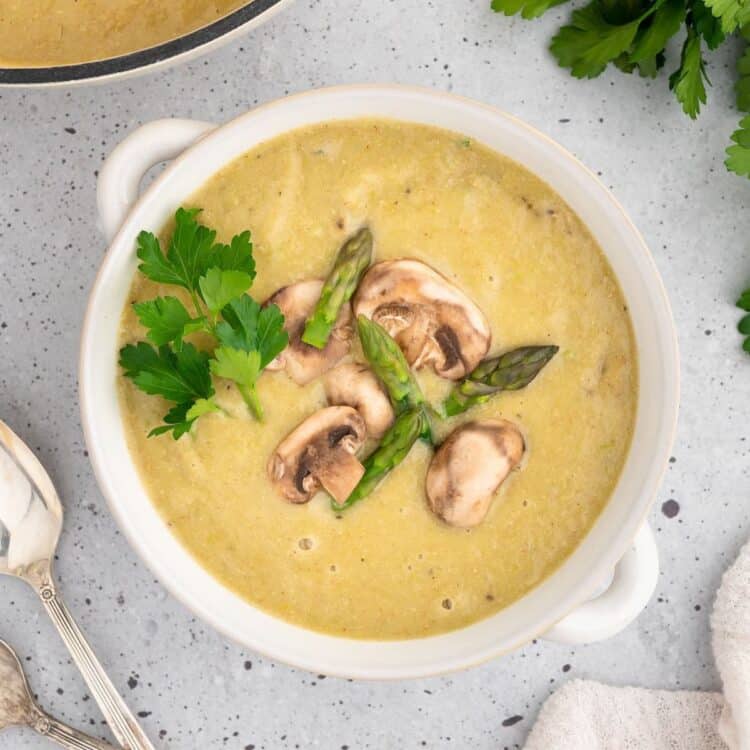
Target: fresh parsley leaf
[243, 368]
[589, 43]
[687, 81]
[235, 364]
[744, 325]
[249, 327]
[647, 68]
[706, 24]
[202, 406]
[176, 421]
[744, 329]
[181, 376]
[218, 287]
[188, 257]
[527, 8]
[742, 87]
[650, 67]
[732, 13]
[192, 252]
[653, 36]
[623, 63]
[612, 31]
[272, 338]
[738, 156]
[180, 418]
[618, 12]
[153, 263]
[239, 329]
[250, 338]
[195, 325]
[165, 318]
[216, 276]
[237, 256]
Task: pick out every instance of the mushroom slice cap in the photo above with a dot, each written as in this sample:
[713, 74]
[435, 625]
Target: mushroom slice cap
[320, 453]
[432, 320]
[356, 385]
[469, 467]
[302, 362]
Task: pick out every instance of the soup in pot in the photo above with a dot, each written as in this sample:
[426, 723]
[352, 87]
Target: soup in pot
[42, 33]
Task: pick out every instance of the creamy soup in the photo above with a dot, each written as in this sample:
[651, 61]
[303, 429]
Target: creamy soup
[388, 568]
[38, 33]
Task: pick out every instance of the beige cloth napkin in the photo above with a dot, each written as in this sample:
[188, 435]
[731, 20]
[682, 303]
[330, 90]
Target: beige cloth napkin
[586, 715]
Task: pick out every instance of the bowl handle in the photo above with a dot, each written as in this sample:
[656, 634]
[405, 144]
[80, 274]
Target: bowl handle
[632, 585]
[121, 174]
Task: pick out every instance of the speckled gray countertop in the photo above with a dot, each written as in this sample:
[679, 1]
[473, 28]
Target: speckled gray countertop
[190, 686]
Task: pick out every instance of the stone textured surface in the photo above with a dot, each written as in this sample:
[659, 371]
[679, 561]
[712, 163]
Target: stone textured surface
[191, 687]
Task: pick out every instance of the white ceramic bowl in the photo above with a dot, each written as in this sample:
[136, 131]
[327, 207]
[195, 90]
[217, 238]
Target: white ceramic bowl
[618, 541]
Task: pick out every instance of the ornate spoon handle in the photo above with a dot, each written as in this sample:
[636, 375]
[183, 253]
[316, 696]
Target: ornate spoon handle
[63, 735]
[118, 716]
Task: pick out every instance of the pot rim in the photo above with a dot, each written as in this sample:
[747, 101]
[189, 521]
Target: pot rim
[182, 48]
[585, 586]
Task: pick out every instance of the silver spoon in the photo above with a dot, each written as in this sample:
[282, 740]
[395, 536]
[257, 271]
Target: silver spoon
[30, 522]
[17, 708]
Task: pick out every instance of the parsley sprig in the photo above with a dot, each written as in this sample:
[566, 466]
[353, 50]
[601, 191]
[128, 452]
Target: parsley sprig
[633, 35]
[246, 336]
[738, 155]
[744, 325]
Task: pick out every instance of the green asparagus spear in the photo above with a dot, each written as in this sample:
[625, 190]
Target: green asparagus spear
[393, 449]
[389, 364]
[413, 413]
[351, 262]
[508, 372]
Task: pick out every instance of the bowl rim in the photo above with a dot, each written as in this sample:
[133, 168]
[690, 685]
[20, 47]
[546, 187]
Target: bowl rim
[585, 587]
[181, 48]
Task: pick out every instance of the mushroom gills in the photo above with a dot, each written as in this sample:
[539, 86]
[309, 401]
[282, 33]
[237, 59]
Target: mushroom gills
[469, 467]
[302, 362]
[320, 453]
[432, 320]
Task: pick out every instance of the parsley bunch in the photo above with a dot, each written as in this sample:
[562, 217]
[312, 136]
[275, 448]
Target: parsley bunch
[246, 336]
[744, 325]
[633, 35]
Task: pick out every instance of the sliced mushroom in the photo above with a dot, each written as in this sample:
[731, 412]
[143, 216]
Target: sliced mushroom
[468, 468]
[320, 452]
[356, 385]
[432, 320]
[302, 362]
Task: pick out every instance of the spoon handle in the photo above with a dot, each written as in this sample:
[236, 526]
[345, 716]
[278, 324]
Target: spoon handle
[123, 724]
[63, 735]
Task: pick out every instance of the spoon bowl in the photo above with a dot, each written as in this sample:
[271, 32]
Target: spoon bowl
[31, 517]
[31, 514]
[16, 704]
[17, 707]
